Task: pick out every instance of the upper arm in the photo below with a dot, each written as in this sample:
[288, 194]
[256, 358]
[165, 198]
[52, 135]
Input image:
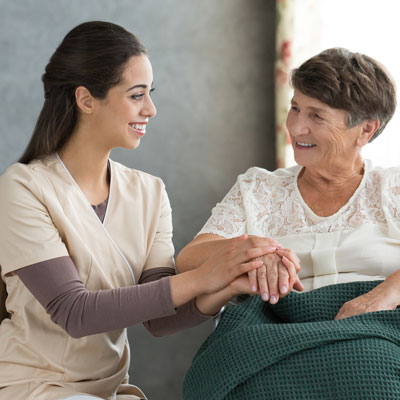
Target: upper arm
[228, 218]
[27, 232]
[161, 253]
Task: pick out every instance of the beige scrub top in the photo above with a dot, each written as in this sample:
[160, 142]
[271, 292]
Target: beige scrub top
[44, 215]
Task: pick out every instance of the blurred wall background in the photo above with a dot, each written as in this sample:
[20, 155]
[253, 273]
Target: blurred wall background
[214, 80]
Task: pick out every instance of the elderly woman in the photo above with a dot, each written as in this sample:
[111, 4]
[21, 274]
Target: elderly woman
[340, 215]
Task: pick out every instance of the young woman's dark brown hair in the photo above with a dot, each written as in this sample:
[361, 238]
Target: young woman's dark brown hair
[92, 55]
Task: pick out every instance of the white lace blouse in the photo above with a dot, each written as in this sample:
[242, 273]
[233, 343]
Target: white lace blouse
[359, 242]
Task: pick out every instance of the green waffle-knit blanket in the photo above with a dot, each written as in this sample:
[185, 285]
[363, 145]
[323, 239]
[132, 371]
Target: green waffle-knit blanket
[296, 350]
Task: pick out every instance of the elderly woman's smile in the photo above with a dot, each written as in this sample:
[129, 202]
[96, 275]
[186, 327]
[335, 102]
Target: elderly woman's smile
[319, 133]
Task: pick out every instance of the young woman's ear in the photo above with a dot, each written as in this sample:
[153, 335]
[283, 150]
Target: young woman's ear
[84, 100]
[368, 129]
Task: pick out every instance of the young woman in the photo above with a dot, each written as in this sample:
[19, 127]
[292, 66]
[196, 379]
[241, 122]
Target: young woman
[86, 247]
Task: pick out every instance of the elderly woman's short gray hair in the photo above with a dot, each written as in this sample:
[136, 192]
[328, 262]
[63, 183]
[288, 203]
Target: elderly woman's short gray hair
[352, 82]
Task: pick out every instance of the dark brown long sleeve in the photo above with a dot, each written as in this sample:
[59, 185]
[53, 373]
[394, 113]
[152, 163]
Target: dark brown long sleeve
[187, 315]
[56, 285]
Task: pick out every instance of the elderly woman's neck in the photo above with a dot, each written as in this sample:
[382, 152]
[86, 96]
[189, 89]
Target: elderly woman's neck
[327, 190]
[333, 178]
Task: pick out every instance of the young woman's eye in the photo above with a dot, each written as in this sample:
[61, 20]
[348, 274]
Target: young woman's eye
[294, 108]
[137, 96]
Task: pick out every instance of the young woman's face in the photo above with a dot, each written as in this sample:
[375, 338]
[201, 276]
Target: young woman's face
[121, 118]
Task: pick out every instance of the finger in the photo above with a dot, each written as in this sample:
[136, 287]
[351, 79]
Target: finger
[298, 285]
[243, 254]
[338, 316]
[262, 282]
[292, 256]
[292, 272]
[273, 282]
[239, 238]
[341, 314]
[244, 268]
[261, 240]
[256, 252]
[283, 276]
[253, 280]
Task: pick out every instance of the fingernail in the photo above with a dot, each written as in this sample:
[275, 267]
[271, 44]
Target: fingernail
[253, 288]
[265, 296]
[284, 289]
[273, 299]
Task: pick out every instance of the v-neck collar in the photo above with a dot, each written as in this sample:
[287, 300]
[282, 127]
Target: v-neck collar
[108, 200]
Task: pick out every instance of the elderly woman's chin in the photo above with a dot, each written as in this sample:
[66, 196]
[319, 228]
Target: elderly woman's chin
[305, 156]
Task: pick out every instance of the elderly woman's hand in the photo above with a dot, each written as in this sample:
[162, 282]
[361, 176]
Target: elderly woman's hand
[277, 277]
[382, 298]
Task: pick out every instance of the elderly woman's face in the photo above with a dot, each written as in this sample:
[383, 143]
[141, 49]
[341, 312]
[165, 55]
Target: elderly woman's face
[319, 133]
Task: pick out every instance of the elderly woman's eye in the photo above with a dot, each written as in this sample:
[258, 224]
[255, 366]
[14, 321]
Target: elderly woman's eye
[317, 116]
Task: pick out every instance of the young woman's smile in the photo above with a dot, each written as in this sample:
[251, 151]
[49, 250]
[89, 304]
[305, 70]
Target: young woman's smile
[121, 118]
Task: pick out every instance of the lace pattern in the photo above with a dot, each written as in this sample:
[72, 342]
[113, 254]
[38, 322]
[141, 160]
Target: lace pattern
[270, 204]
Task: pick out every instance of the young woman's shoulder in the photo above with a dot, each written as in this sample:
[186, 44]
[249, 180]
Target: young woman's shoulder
[131, 176]
[16, 175]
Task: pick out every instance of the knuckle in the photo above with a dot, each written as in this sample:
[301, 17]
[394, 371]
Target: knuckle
[230, 252]
[261, 274]
[253, 241]
[249, 253]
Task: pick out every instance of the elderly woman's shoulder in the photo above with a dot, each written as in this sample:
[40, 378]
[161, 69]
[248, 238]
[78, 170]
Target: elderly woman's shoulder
[384, 180]
[385, 173]
[264, 174]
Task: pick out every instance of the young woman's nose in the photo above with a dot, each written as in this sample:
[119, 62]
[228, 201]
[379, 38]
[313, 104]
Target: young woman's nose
[149, 109]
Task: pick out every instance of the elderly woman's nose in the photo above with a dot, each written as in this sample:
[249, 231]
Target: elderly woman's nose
[298, 126]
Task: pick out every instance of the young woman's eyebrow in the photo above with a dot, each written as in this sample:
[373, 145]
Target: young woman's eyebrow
[142, 85]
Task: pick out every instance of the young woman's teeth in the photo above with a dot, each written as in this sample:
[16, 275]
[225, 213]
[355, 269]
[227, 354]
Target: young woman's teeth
[305, 144]
[138, 127]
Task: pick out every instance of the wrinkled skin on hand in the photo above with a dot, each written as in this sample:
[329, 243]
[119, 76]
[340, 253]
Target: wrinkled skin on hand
[383, 297]
[277, 277]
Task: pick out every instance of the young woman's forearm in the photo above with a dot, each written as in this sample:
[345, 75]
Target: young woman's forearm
[185, 287]
[198, 250]
[210, 304]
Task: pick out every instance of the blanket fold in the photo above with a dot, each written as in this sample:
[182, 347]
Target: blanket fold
[296, 350]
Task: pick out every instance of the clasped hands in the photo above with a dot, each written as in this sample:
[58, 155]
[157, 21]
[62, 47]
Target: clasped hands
[275, 275]
[259, 265]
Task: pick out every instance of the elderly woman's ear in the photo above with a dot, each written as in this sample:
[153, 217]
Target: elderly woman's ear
[369, 127]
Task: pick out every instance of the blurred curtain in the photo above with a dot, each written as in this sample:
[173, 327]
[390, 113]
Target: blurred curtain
[283, 65]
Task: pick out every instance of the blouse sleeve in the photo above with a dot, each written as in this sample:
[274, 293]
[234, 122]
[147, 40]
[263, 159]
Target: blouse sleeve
[27, 232]
[228, 218]
[162, 250]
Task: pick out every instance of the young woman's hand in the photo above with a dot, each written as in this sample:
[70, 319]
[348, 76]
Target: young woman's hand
[237, 257]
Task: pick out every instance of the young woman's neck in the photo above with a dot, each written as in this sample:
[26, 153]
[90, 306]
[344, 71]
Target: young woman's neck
[88, 164]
